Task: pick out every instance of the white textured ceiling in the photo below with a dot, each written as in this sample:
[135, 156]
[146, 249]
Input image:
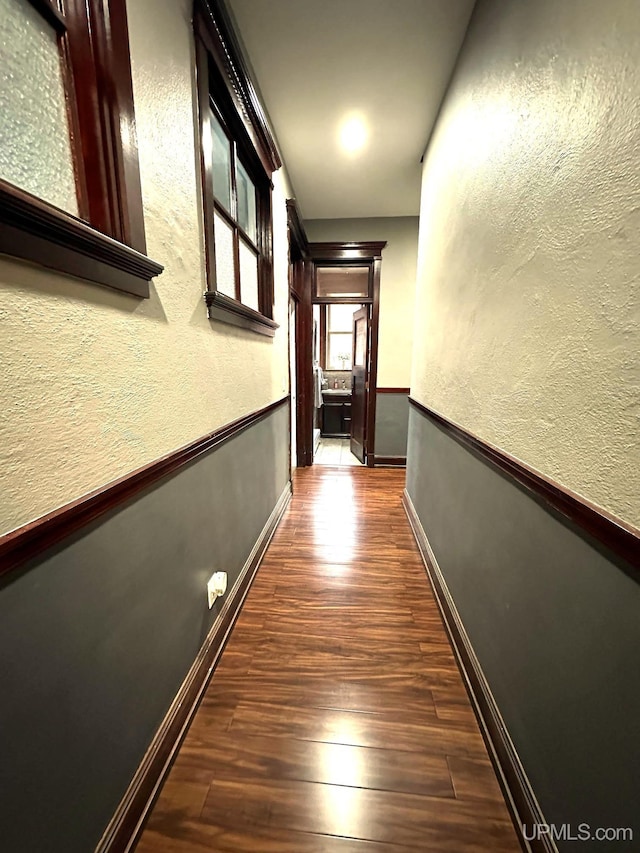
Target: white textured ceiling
[317, 61]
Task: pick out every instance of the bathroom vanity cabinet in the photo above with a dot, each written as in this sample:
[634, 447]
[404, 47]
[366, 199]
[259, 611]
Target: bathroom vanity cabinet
[336, 413]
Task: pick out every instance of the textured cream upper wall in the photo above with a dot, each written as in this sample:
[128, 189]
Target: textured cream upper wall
[528, 301]
[397, 285]
[95, 383]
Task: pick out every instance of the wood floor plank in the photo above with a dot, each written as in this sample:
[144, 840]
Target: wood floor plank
[397, 694]
[253, 756]
[200, 837]
[363, 646]
[183, 799]
[474, 779]
[336, 720]
[357, 729]
[352, 670]
[415, 822]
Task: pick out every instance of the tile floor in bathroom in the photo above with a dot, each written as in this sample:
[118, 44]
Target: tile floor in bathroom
[334, 451]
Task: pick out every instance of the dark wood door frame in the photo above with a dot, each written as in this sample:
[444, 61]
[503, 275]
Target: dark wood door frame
[356, 253]
[303, 258]
[300, 291]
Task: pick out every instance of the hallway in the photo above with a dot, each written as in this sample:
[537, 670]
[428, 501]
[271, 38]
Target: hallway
[337, 712]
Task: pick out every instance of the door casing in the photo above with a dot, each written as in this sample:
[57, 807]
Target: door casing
[300, 294]
[303, 259]
[356, 254]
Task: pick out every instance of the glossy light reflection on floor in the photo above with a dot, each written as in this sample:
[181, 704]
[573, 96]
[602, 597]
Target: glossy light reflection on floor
[336, 720]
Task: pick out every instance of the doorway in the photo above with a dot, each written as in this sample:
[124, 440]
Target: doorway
[345, 290]
[335, 359]
[332, 274]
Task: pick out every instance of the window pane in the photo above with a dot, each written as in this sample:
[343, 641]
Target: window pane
[342, 281]
[248, 276]
[35, 146]
[339, 351]
[221, 163]
[361, 342]
[223, 239]
[341, 317]
[246, 201]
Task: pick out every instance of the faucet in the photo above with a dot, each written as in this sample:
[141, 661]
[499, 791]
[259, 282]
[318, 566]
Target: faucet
[344, 383]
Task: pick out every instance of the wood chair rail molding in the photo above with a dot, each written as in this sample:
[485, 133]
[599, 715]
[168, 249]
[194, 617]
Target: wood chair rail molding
[33, 538]
[616, 535]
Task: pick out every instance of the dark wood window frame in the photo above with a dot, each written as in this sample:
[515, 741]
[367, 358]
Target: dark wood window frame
[106, 242]
[225, 88]
[343, 300]
[339, 255]
[325, 331]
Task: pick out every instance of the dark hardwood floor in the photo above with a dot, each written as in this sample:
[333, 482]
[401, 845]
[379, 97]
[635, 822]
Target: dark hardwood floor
[336, 721]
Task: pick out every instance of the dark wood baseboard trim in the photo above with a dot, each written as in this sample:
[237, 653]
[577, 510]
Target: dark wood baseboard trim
[619, 537]
[33, 538]
[393, 391]
[126, 825]
[520, 798]
[395, 461]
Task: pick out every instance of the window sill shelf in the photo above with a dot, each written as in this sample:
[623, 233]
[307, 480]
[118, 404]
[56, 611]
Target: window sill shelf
[32, 230]
[228, 310]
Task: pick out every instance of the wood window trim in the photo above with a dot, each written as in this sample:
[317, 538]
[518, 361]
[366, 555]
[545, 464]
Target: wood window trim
[323, 336]
[345, 254]
[49, 10]
[336, 252]
[325, 330]
[224, 85]
[106, 243]
[213, 28]
[342, 300]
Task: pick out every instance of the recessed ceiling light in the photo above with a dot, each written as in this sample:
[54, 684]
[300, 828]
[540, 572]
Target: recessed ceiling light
[353, 134]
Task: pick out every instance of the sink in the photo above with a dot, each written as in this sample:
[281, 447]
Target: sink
[340, 392]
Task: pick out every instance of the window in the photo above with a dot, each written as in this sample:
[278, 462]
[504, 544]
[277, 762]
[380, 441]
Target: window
[235, 232]
[70, 192]
[35, 152]
[339, 336]
[238, 157]
[342, 282]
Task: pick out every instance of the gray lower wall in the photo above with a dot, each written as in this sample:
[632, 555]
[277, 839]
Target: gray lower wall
[555, 624]
[392, 423]
[97, 637]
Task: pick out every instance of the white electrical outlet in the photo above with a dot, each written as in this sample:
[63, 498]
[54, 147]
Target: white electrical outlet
[216, 585]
